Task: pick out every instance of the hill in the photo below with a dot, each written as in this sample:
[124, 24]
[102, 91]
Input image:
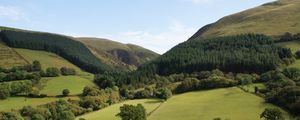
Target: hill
[118, 55]
[248, 53]
[273, 19]
[47, 59]
[64, 46]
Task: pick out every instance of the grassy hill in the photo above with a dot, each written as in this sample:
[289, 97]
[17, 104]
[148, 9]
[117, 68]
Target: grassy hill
[9, 57]
[47, 59]
[64, 46]
[227, 103]
[117, 54]
[272, 19]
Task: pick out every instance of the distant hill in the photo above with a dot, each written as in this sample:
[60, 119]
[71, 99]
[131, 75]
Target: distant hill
[125, 56]
[64, 46]
[90, 54]
[273, 19]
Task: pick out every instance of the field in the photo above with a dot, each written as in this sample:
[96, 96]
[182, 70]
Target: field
[54, 86]
[251, 88]
[19, 102]
[110, 112]
[9, 58]
[47, 59]
[229, 103]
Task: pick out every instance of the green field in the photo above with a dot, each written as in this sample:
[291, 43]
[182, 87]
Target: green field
[47, 59]
[227, 103]
[230, 103]
[110, 112]
[19, 102]
[54, 86]
[10, 58]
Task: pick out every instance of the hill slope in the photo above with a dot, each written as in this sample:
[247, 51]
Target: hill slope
[271, 19]
[64, 46]
[9, 57]
[117, 54]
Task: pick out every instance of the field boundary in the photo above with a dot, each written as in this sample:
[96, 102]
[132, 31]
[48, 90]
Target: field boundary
[150, 113]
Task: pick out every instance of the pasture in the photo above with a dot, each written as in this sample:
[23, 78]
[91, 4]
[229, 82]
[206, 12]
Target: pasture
[18, 102]
[110, 112]
[54, 86]
[227, 103]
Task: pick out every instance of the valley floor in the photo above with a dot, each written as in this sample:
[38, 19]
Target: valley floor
[227, 103]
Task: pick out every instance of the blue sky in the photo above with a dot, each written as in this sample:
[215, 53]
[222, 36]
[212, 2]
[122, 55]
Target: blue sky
[154, 24]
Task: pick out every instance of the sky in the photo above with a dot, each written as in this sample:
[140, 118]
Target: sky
[157, 25]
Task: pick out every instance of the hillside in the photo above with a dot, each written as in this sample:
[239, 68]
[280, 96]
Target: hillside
[9, 57]
[118, 55]
[248, 53]
[273, 19]
[47, 59]
[200, 105]
[64, 46]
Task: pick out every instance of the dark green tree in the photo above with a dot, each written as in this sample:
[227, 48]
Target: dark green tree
[65, 92]
[131, 112]
[52, 72]
[272, 114]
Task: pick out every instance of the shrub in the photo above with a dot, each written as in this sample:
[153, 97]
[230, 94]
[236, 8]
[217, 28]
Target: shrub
[4, 92]
[67, 71]
[131, 112]
[52, 72]
[272, 114]
[65, 92]
[164, 94]
[297, 54]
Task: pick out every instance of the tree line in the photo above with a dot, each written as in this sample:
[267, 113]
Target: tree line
[92, 99]
[72, 50]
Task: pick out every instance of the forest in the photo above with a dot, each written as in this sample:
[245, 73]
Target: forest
[247, 53]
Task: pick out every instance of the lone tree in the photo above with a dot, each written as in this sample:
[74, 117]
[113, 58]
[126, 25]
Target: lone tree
[164, 94]
[272, 114]
[131, 112]
[66, 92]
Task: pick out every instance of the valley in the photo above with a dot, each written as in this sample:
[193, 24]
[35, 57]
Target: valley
[245, 66]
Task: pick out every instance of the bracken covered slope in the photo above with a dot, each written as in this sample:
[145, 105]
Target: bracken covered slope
[273, 19]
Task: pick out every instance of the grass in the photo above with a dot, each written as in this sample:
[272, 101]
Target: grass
[54, 86]
[10, 58]
[229, 103]
[110, 112]
[273, 20]
[18, 102]
[251, 88]
[47, 59]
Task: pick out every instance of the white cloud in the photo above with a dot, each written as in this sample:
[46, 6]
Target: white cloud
[176, 33]
[158, 42]
[12, 13]
[201, 1]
